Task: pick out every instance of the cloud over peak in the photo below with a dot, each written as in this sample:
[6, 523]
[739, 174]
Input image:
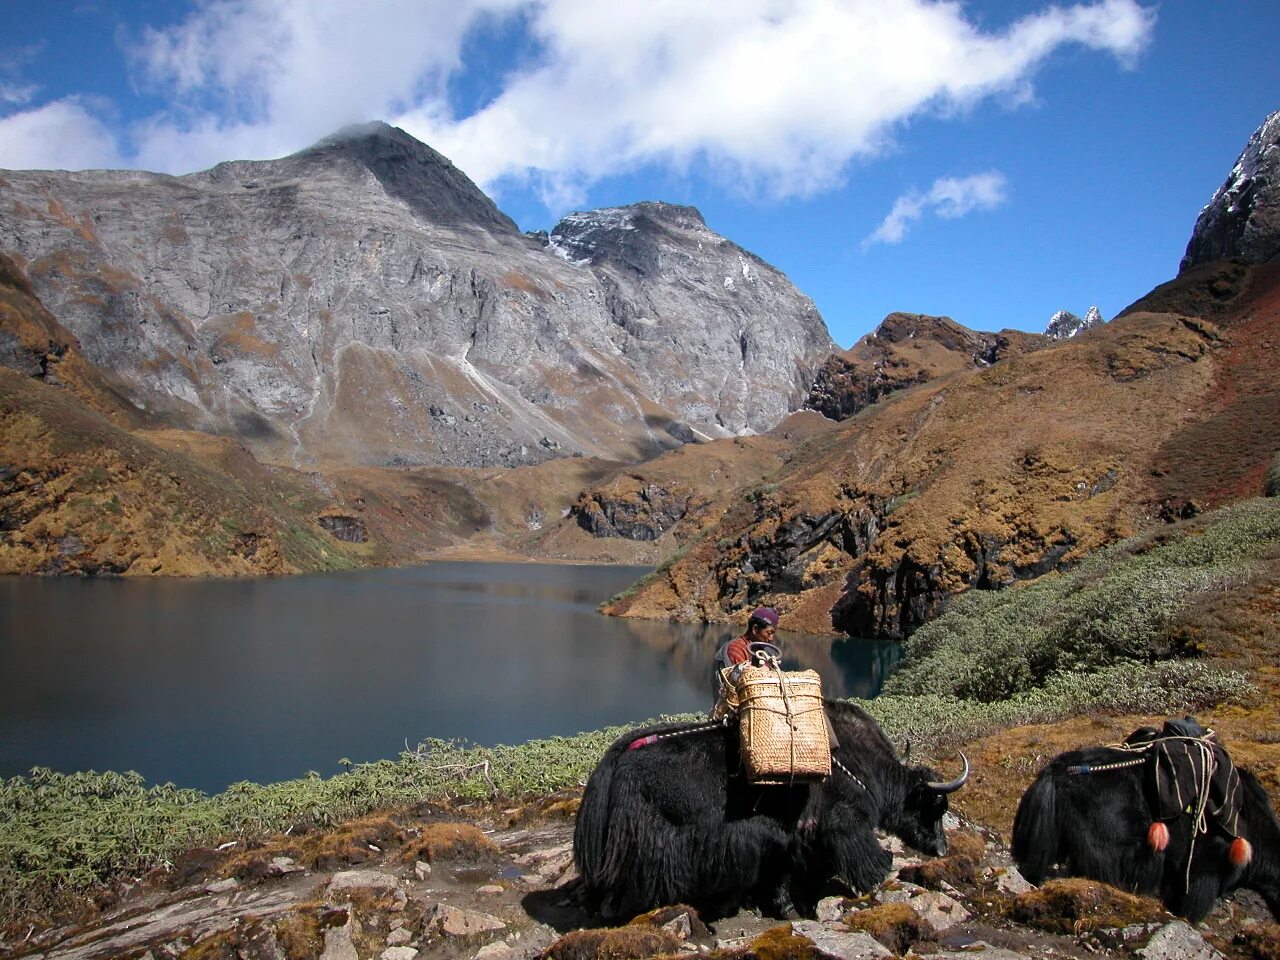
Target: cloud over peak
[776, 95]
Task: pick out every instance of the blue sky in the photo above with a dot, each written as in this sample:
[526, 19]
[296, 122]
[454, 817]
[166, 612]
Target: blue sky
[991, 161]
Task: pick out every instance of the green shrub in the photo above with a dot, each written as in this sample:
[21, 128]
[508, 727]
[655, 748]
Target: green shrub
[69, 831]
[1272, 488]
[1119, 606]
[756, 494]
[1174, 686]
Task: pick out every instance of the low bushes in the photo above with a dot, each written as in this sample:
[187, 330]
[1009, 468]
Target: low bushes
[1120, 606]
[71, 831]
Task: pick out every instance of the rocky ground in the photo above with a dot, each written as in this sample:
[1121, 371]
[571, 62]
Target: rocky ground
[472, 883]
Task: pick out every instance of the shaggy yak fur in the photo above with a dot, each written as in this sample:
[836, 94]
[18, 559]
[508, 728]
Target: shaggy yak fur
[675, 821]
[1095, 825]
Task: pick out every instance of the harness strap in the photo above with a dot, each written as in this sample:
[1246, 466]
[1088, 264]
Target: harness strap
[1100, 767]
[849, 773]
[655, 737]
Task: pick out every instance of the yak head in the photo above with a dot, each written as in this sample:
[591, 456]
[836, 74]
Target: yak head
[919, 820]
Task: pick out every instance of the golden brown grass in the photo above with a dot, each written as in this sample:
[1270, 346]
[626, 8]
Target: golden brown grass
[1075, 907]
[1064, 450]
[958, 868]
[1261, 942]
[782, 943]
[895, 925]
[613, 943]
[449, 841]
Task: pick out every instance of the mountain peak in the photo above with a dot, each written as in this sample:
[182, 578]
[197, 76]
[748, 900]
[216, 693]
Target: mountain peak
[624, 235]
[1243, 217]
[410, 170]
[1064, 324]
[375, 138]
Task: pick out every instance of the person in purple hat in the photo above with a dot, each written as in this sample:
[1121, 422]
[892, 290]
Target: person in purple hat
[762, 627]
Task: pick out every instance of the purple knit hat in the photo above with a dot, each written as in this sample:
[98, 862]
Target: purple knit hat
[765, 615]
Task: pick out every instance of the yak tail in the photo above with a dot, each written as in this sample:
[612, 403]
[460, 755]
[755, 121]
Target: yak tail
[1035, 830]
[591, 828]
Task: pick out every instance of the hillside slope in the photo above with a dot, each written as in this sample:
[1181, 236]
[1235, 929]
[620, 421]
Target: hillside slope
[81, 495]
[979, 479]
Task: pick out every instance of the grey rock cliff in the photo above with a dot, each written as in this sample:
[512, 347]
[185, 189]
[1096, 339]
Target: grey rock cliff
[362, 301]
[1243, 218]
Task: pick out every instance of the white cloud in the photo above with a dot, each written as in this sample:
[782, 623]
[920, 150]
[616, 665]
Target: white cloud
[777, 96]
[62, 135]
[949, 198]
[259, 78]
[12, 62]
[17, 93]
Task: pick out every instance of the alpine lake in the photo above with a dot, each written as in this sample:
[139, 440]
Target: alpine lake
[204, 683]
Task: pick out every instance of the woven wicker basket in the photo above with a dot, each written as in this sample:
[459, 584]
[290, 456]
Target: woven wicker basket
[782, 726]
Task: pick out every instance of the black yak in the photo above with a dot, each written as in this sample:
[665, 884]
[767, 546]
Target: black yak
[668, 817]
[1092, 813]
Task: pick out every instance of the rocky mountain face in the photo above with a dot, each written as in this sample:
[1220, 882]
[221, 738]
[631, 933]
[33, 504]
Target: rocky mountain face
[907, 349]
[1064, 324]
[1242, 220]
[722, 336]
[1001, 472]
[362, 302]
[972, 481]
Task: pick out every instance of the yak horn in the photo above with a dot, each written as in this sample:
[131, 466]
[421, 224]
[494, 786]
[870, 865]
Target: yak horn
[906, 751]
[952, 785]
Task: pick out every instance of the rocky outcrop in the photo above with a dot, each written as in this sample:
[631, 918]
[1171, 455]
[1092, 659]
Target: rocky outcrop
[1242, 220]
[1064, 324]
[362, 302]
[905, 350]
[893, 600]
[975, 480]
[635, 508]
[344, 527]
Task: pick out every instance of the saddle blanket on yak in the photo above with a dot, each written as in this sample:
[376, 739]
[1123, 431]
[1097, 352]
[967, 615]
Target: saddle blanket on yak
[782, 726]
[1189, 772]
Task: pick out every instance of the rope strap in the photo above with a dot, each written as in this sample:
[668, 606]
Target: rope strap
[1100, 767]
[849, 773]
[655, 737]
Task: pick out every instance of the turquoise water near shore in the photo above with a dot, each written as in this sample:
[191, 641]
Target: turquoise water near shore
[209, 682]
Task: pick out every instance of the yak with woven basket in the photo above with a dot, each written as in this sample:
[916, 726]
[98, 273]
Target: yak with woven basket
[671, 814]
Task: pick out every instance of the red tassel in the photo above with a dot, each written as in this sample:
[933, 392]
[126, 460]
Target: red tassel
[1157, 836]
[1241, 852]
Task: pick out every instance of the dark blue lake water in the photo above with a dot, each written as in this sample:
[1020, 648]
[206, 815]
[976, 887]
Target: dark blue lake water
[208, 682]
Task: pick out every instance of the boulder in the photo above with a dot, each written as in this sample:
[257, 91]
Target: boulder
[839, 945]
[456, 922]
[1178, 941]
